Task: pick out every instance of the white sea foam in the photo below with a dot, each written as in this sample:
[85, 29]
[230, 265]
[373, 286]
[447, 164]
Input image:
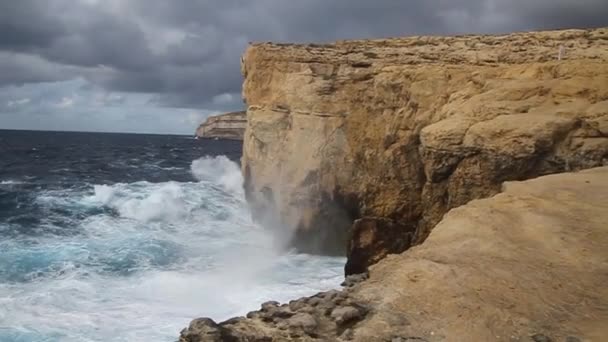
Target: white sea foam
[145, 201]
[103, 193]
[153, 257]
[10, 182]
[219, 170]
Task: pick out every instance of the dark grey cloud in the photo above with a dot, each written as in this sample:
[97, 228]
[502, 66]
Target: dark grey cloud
[26, 23]
[186, 53]
[19, 68]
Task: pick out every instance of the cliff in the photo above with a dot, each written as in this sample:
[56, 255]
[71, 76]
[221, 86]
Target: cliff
[225, 126]
[369, 143]
[529, 264]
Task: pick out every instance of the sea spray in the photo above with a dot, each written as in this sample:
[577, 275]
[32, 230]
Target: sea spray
[221, 171]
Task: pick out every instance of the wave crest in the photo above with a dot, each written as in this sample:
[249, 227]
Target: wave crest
[146, 202]
[219, 170]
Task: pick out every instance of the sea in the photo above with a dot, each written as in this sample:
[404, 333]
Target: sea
[128, 237]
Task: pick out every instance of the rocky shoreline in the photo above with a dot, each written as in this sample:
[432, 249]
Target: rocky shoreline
[526, 265]
[330, 313]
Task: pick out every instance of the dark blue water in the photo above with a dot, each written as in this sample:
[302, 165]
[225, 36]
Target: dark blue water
[34, 162]
[122, 237]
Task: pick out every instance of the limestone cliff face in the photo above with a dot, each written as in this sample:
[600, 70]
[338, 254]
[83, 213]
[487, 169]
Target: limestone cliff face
[393, 133]
[225, 126]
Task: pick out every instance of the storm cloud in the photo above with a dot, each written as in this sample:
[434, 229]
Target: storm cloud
[183, 56]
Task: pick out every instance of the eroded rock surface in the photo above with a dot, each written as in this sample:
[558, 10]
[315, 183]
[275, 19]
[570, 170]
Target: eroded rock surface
[396, 132]
[529, 264]
[224, 126]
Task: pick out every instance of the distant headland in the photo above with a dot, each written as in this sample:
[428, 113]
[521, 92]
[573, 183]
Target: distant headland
[224, 126]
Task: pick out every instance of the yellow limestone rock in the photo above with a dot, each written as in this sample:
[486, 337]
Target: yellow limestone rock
[399, 131]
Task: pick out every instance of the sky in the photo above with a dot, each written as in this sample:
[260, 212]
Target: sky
[160, 66]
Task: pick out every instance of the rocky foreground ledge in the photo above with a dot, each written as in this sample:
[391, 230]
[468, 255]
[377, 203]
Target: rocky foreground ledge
[529, 264]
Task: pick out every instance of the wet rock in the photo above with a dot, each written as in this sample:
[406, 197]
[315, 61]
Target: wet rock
[282, 312]
[296, 305]
[267, 306]
[330, 295]
[314, 301]
[201, 330]
[354, 279]
[303, 321]
[345, 314]
[307, 309]
[234, 320]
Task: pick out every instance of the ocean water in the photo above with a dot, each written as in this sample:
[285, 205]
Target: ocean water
[120, 237]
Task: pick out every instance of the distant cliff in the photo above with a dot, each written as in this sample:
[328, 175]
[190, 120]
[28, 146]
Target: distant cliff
[225, 126]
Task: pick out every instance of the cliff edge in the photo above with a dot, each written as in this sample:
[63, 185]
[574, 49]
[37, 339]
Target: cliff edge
[224, 126]
[369, 143]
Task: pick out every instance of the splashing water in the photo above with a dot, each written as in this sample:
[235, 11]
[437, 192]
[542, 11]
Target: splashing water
[137, 261]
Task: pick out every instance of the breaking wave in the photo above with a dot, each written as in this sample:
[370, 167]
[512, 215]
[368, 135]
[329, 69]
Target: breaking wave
[137, 261]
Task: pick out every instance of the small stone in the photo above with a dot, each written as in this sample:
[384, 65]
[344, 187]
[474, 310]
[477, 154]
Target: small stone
[314, 301]
[266, 318]
[345, 314]
[541, 338]
[282, 312]
[234, 320]
[347, 335]
[330, 295]
[282, 325]
[201, 329]
[307, 309]
[304, 321]
[572, 339]
[267, 306]
[296, 305]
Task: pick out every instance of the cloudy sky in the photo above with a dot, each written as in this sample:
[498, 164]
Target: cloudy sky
[162, 66]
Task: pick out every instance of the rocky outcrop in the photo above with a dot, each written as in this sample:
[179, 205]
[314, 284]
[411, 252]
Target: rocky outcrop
[225, 126]
[391, 134]
[529, 264]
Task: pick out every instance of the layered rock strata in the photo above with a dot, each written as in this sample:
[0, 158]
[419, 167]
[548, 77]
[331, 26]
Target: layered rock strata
[224, 126]
[529, 264]
[391, 134]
